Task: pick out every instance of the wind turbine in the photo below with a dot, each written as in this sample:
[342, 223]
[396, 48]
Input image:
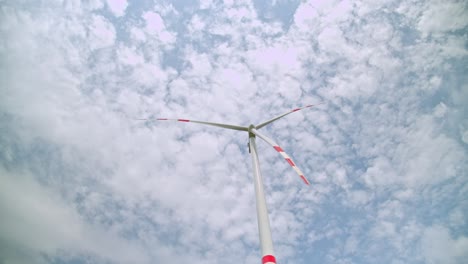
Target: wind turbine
[266, 242]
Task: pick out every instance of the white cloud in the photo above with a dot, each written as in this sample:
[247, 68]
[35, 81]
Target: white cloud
[279, 59]
[359, 197]
[351, 245]
[438, 246]
[201, 65]
[130, 56]
[155, 26]
[117, 7]
[380, 172]
[457, 218]
[441, 16]
[197, 23]
[206, 4]
[439, 161]
[137, 35]
[40, 222]
[154, 22]
[102, 32]
[465, 136]
[331, 39]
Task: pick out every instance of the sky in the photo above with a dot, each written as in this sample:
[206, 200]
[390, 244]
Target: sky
[82, 181]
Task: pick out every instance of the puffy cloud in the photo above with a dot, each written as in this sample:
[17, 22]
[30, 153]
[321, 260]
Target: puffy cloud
[40, 224]
[438, 246]
[442, 16]
[102, 32]
[117, 7]
[155, 26]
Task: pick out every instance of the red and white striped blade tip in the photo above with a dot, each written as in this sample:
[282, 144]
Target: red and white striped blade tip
[291, 163]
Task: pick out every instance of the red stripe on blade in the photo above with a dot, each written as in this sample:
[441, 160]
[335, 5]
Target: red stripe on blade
[268, 258]
[183, 120]
[294, 110]
[290, 162]
[305, 180]
[278, 148]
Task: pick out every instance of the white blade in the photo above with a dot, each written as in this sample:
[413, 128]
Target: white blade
[285, 114]
[241, 128]
[281, 151]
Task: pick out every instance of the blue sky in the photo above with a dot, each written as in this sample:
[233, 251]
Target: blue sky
[82, 182]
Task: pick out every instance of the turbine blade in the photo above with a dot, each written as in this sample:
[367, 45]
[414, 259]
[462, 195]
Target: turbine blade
[285, 114]
[241, 128]
[282, 153]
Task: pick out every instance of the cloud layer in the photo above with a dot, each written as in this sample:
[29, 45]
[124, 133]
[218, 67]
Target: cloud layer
[83, 182]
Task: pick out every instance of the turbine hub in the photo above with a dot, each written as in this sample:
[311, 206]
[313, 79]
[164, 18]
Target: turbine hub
[250, 130]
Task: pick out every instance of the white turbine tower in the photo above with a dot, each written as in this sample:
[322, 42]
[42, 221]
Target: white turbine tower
[266, 243]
